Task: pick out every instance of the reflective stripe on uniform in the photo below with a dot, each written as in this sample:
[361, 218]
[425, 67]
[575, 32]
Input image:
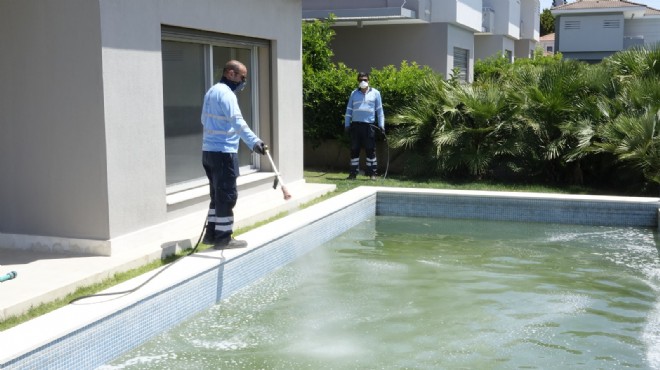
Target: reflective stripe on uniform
[224, 224]
[222, 132]
[211, 215]
[214, 116]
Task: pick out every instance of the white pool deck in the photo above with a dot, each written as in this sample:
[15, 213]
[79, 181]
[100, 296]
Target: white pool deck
[45, 277]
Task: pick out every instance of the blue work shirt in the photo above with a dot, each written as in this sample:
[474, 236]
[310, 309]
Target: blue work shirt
[223, 122]
[365, 107]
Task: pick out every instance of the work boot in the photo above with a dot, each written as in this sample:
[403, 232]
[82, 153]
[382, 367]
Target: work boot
[229, 243]
[351, 176]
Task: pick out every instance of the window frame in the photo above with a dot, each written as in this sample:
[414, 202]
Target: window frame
[209, 40]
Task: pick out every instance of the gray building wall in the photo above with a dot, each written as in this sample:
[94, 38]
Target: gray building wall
[492, 45]
[53, 136]
[427, 44]
[589, 33]
[81, 107]
[525, 48]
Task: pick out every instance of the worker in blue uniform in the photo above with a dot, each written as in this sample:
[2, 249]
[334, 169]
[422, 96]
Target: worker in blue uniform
[364, 107]
[224, 127]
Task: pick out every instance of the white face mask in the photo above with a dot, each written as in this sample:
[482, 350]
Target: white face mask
[364, 84]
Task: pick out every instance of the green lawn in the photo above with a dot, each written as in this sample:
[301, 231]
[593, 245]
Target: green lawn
[339, 179]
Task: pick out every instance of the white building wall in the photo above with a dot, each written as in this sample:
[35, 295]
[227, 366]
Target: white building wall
[466, 13]
[649, 28]
[469, 13]
[460, 38]
[530, 11]
[507, 17]
[513, 27]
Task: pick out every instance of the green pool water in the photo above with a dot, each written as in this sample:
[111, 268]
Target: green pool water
[420, 293]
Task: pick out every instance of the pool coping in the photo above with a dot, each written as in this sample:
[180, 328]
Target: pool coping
[207, 277]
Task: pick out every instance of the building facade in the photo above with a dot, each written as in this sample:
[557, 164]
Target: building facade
[444, 35]
[591, 30]
[547, 43]
[100, 111]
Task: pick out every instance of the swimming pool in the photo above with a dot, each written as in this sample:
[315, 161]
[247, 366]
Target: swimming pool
[430, 293]
[91, 333]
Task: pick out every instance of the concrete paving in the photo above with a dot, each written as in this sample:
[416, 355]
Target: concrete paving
[44, 276]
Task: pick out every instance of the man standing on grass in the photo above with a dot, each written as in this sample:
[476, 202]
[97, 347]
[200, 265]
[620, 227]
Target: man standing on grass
[364, 105]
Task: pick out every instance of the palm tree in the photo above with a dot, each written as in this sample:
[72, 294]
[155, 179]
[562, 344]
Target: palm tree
[562, 104]
[455, 128]
[416, 124]
[641, 61]
[635, 140]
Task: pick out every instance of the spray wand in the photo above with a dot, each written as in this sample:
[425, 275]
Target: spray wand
[285, 192]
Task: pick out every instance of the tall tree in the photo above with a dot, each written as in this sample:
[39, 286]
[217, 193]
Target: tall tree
[547, 22]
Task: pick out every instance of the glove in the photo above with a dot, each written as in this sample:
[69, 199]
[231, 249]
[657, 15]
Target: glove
[260, 147]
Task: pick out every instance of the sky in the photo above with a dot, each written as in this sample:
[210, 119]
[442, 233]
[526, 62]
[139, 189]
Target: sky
[546, 4]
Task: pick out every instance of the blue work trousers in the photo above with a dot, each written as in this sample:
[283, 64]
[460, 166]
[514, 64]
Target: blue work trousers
[363, 135]
[222, 171]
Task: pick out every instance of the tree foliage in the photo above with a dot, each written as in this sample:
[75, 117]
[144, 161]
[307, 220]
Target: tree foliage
[547, 22]
[316, 37]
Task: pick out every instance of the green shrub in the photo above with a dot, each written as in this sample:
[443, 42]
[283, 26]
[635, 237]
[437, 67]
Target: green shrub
[325, 94]
[398, 87]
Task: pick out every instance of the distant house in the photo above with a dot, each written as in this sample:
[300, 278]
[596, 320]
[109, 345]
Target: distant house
[442, 34]
[591, 30]
[547, 44]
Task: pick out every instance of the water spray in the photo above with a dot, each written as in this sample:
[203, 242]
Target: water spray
[278, 179]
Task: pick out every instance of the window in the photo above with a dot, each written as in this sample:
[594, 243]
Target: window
[192, 63]
[183, 82]
[509, 55]
[461, 58]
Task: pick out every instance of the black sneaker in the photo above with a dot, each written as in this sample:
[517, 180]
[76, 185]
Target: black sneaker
[229, 243]
[351, 177]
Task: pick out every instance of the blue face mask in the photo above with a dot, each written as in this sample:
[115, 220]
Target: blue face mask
[234, 86]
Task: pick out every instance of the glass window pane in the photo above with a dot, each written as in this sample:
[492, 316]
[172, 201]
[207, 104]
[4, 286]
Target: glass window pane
[183, 91]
